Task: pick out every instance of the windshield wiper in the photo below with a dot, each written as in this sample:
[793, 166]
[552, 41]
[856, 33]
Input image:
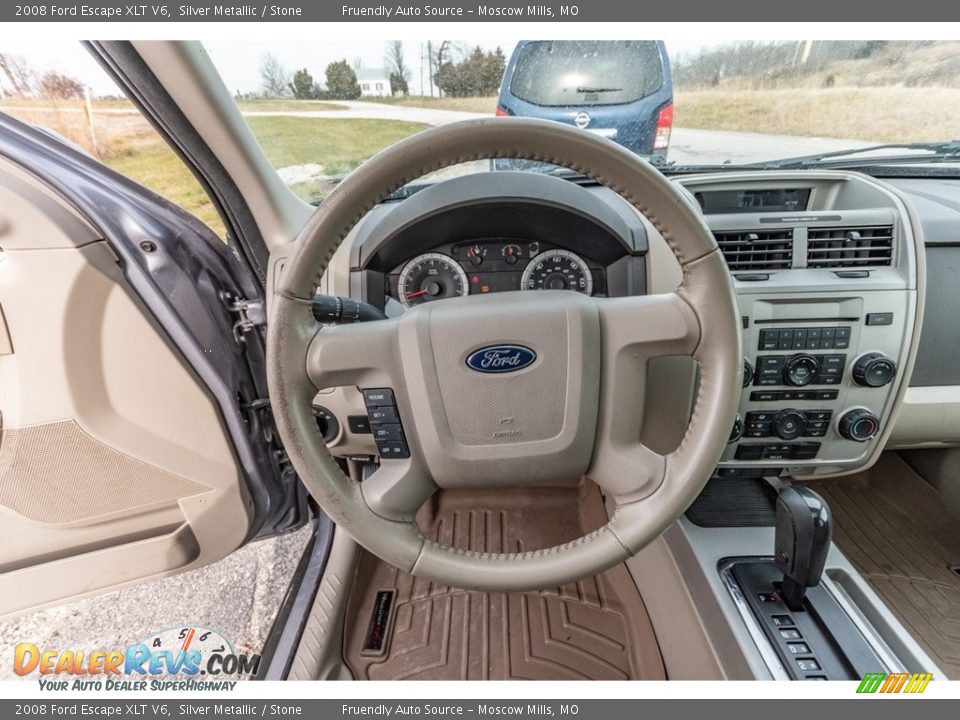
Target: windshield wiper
[927, 153]
[598, 89]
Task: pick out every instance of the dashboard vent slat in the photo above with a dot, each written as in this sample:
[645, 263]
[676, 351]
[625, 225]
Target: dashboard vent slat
[870, 246]
[756, 249]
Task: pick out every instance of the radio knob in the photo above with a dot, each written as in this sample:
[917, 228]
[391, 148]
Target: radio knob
[859, 425]
[874, 370]
[747, 373]
[801, 370]
[789, 425]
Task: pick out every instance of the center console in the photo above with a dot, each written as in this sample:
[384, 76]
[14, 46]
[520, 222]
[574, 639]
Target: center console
[827, 291]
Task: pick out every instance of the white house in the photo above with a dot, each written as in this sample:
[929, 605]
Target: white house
[374, 82]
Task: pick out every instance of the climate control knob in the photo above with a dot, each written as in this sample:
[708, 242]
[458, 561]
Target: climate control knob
[800, 370]
[858, 425]
[789, 425]
[874, 370]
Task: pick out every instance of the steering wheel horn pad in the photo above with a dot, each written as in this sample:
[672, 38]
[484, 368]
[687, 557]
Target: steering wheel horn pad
[576, 409]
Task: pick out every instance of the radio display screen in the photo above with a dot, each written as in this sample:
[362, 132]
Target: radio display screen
[715, 202]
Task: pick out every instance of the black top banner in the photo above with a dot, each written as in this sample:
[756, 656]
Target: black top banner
[330, 11]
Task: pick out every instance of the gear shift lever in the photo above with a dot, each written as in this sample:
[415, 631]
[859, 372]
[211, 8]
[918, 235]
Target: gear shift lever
[803, 533]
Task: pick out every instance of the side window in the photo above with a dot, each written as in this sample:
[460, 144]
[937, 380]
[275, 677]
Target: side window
[69, 94]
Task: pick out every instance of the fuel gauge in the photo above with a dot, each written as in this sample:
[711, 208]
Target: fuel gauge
[476, 253]
[511, 253]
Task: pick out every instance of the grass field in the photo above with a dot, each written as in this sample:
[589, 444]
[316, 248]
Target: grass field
[129, 145]
[880, 114]
[465, 104]
[288, 105]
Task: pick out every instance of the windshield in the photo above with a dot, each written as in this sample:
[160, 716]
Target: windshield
[319, 109]
[586, 74]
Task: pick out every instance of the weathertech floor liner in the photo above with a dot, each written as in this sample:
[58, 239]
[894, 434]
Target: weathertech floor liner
[398, 627]
[893, 527]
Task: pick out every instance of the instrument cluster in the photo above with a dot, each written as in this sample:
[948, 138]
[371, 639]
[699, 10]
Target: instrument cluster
[489, 266]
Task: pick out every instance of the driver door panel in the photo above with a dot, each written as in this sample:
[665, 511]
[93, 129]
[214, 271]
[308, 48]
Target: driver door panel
[114, 463]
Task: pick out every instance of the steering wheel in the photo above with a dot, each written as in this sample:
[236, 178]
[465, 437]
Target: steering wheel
[576, 410]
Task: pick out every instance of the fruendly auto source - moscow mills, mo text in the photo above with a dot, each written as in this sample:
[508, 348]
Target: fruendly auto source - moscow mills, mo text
[385, 12]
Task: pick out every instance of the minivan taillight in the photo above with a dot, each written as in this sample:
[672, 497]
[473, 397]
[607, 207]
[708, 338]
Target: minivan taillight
[501, 112]
[661, 141]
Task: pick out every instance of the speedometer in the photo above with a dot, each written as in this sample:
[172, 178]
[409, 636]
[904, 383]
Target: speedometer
[432, 276]
[558, 270]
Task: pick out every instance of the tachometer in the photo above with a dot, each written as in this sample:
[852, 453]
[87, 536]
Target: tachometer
[432, 276]
[558, 270]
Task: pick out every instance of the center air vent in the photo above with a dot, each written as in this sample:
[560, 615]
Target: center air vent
[757, 249]
[850, 246]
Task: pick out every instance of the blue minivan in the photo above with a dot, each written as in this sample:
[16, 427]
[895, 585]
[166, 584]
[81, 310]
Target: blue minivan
[621, 90]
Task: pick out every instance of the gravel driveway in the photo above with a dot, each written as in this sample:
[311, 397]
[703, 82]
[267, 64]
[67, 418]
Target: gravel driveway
[238, 596]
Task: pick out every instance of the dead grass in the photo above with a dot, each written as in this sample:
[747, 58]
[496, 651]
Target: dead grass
[288, 106]
[879, 114]
[465, 104]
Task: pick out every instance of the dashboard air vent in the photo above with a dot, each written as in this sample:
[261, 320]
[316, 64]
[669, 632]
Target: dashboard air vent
[757, 249]
[850, 246]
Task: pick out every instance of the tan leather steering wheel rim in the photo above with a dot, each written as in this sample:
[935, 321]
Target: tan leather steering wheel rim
[699, 320]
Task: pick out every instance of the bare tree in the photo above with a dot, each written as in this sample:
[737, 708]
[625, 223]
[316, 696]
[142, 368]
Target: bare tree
[397, 67]
[57, 86]
[274, 79]
[17, 72]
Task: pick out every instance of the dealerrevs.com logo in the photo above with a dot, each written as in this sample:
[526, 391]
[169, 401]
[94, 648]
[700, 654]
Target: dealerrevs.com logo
[183, 658]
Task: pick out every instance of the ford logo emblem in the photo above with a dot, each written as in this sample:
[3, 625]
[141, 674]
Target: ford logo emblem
[501, 358]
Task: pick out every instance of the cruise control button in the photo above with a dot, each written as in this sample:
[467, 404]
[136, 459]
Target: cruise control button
[384, 415]
[359, 424]
[393, 450]
[388, 433]
[379, 396]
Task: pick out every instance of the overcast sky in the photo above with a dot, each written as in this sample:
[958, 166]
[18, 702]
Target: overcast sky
[238, 62]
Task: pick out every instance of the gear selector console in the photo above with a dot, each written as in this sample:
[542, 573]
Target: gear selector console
[812, 635]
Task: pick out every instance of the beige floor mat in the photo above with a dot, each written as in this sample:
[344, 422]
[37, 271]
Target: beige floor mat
[894, 528]
[594, 629]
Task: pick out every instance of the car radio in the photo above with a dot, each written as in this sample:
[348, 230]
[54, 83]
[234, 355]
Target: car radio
[815, 394]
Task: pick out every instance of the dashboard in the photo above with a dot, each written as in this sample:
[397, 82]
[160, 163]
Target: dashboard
[828, 268]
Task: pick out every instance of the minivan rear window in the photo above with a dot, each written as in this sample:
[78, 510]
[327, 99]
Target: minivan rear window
[574, 72]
